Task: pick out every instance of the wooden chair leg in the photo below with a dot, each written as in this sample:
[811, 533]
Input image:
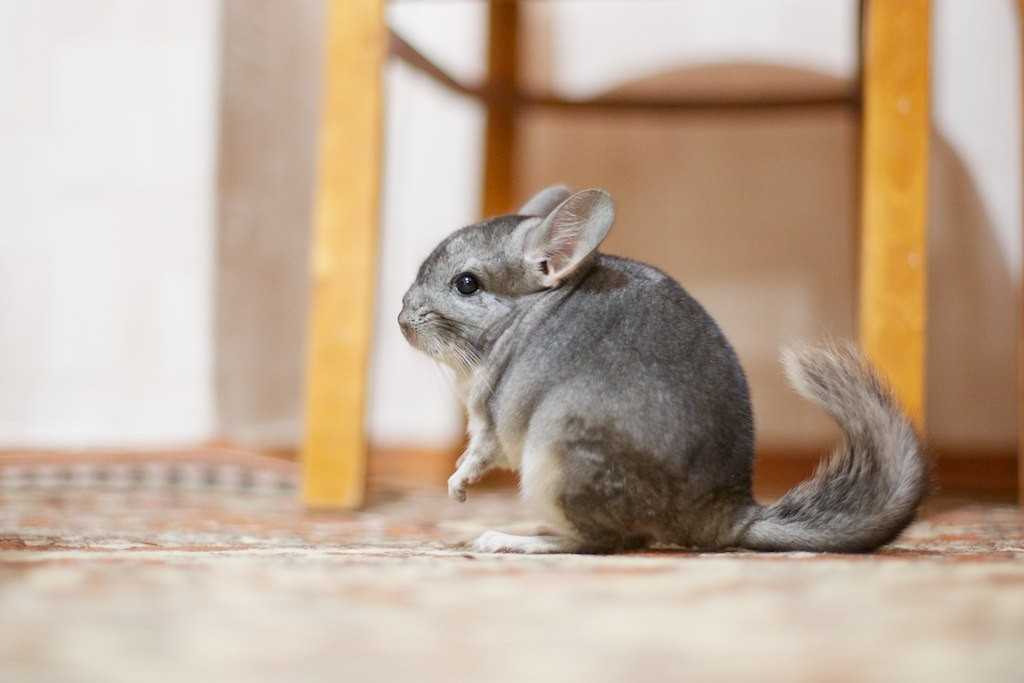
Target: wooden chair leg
[895, 170]
[502, 76]
[344, 256]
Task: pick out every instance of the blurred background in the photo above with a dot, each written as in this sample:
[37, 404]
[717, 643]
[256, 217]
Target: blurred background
[158, 159]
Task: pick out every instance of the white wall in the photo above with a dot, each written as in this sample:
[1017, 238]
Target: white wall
[595, 47]
[976, 99]
[107, 120]
[975, 224]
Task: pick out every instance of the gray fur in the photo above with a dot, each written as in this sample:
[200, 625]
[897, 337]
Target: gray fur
[623, 406]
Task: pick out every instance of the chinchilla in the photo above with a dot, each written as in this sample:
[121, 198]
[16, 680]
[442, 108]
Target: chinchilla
[624, 408]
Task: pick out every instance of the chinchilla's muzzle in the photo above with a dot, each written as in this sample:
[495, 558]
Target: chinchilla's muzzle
[407, 325]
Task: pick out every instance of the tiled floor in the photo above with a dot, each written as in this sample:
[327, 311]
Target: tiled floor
[120, 583]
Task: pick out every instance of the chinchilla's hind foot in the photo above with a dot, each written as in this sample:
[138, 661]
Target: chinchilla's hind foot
[500, 542]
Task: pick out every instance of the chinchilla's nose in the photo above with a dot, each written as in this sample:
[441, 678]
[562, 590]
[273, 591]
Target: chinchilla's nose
[405, 322]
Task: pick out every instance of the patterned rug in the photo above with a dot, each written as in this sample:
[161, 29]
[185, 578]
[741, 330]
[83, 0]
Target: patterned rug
[124, 580]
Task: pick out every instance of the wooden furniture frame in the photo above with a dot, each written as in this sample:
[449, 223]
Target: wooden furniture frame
[891, 91]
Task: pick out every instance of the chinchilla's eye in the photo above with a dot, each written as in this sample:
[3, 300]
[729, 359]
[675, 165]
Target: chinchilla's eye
[466, 283]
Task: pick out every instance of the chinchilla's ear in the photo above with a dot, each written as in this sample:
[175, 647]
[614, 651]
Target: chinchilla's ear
[545, 201]
[569, 235]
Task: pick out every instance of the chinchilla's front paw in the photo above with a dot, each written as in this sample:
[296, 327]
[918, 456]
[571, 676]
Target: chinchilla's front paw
[457, 484]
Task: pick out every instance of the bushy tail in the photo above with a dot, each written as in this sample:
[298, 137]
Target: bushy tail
[868, 490]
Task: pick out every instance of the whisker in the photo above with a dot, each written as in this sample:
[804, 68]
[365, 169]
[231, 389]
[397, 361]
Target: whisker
[453, 344]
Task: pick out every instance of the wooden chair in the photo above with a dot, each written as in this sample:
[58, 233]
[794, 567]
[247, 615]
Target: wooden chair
[891, 93]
